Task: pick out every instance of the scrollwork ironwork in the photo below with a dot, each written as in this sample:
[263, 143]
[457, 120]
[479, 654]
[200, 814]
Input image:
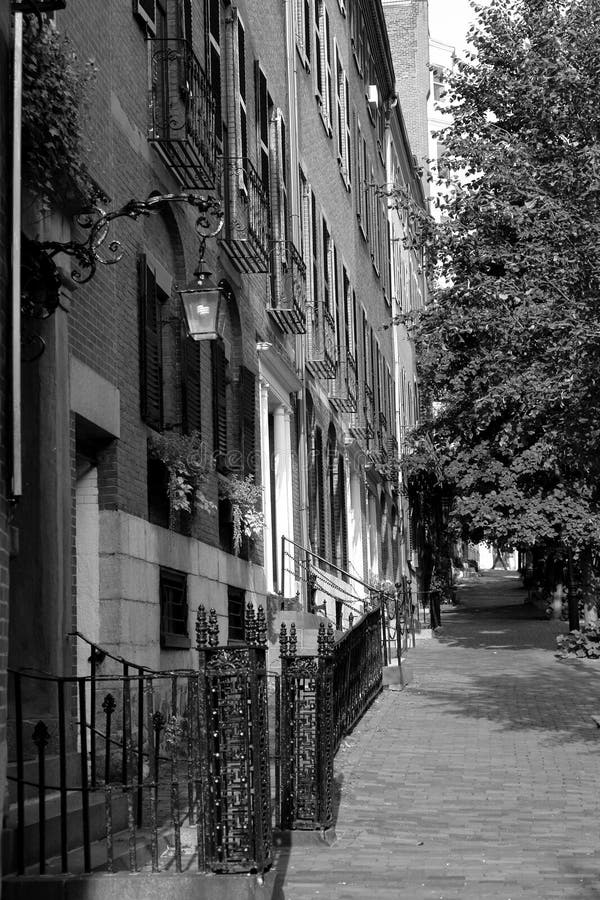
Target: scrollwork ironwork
[41, 278]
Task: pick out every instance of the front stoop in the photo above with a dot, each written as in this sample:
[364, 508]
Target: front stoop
[139, 886]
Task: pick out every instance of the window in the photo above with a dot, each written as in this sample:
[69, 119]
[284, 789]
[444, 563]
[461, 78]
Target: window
[357, 31]
[247, 405]
[220, 375]
[241, 91]
[302, 22]
[343, 120]
[328, 273]
[236, 601]
[314, 253]
[263, 107]
[154, 291]
[310, 251]
[145, 10]
[214, 28]
[438, 83]
[322, 52]
[174, 632]
[190, 386]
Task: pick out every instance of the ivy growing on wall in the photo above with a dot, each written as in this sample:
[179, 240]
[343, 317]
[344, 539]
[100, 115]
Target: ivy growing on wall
[56, 92]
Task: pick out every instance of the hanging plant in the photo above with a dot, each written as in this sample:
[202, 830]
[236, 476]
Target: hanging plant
[56, 85]
[188, 464]
[246, 507]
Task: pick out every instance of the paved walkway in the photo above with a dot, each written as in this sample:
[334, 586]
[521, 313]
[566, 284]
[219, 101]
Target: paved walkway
[480, 780]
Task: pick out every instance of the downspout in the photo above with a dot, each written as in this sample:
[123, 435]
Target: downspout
[15, 317]
[295, 223]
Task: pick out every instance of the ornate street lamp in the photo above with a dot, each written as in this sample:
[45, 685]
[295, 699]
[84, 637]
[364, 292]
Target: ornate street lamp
[41, 279]
[201, 300]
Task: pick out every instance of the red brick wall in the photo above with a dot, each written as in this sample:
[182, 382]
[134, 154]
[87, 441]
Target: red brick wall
[409, 40]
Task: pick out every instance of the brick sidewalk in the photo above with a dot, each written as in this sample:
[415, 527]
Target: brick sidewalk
[479, 780]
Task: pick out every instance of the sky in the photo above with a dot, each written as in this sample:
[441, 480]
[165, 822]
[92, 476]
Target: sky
[449, 21]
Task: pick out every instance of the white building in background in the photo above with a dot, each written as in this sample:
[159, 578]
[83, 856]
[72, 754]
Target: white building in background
[441, 58]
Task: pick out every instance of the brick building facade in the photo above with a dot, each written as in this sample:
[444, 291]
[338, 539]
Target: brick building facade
[305, 393]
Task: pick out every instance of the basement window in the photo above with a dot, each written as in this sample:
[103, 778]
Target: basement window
[174, 632]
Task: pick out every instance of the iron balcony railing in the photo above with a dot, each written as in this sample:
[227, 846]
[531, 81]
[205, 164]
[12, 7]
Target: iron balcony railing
[321, 353]
[246, 235]
[182, 113]
[288, 288]
[344, 389]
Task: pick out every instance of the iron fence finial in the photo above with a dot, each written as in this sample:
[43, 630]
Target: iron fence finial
[261, 627]
[213, 628]
[250, 625]
[201, 628]
[293, 644]
[283, 640]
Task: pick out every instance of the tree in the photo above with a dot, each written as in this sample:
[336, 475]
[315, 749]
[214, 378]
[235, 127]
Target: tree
[509, 346]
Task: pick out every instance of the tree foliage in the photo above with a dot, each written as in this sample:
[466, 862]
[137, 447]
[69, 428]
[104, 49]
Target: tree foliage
[509, 346]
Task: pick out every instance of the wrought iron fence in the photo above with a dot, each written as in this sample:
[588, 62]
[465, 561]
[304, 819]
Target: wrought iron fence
[322, 698]
[168, 770]
[190, 770]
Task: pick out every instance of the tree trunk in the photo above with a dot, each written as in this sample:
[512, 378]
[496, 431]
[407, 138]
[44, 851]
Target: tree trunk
[557, 600]
[590, 612]
[573, 602]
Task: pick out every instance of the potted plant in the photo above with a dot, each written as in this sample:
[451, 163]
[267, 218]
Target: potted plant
[188, 465]
[245, 498]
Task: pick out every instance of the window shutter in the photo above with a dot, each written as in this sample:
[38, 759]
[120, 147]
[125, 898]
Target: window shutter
[146, 11]
[312, 491]
[320, 477]
[151, 399]
[219, 374]
[247, 398]
[191, 394]
[343, 560]
[184, 15]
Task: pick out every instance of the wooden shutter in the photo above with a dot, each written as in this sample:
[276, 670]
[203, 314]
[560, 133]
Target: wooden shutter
[151, 382]
[343, 561]
[247, 398]
[146, 11]
[190, 386]
[312, 491]
[219, 375]
[320, 478]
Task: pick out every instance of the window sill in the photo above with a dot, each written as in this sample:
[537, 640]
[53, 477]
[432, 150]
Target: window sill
[175, 642]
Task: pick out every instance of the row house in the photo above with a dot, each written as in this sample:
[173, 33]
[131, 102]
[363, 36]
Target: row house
[258, 463]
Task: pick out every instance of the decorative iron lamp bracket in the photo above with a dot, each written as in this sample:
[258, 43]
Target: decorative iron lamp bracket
[40, 275]
[36, 7]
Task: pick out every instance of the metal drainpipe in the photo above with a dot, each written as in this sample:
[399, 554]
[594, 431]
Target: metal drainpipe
[296, 220]
[15, 323]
